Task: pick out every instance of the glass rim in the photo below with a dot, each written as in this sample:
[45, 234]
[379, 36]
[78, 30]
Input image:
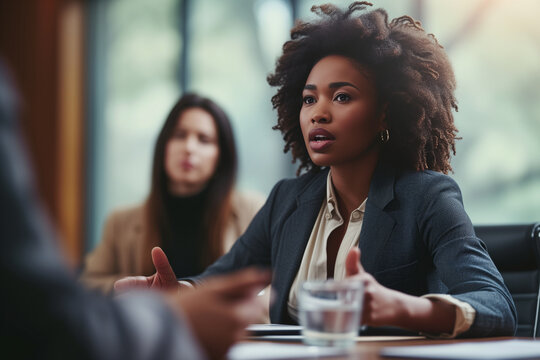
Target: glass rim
[331, 284]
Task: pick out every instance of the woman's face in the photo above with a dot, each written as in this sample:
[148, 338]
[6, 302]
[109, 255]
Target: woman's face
[340, 117]
[192, 152]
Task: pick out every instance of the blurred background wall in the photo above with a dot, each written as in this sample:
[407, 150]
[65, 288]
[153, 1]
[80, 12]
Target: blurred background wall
[42, 43]
[97, 79]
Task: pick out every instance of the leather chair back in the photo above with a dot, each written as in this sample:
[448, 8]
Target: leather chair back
[515, 250]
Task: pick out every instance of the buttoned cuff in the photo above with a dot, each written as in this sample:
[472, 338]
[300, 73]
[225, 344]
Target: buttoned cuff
[465, 315]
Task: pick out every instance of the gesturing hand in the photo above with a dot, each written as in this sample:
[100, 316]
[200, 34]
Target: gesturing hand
[381, 305]
[163, 279]
[384, 306]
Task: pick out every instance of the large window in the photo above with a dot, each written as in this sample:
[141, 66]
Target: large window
[146, 53]
[136, 48]
[233, 47]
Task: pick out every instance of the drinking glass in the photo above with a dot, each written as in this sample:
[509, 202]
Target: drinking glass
[330, 311]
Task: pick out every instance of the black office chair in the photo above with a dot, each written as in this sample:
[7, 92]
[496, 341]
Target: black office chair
[515, 250]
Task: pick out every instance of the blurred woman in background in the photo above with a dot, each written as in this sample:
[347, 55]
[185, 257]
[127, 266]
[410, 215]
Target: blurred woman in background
[192, 212]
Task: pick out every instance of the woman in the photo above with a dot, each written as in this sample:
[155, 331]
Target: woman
[366, 106]
[192, 211]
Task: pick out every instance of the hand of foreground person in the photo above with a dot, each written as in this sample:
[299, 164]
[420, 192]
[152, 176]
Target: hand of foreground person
[163, 279]
[220, 309]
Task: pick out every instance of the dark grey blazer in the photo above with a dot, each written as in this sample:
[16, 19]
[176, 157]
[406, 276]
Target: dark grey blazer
[416, 238]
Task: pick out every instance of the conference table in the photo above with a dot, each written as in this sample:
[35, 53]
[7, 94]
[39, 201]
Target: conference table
[366, 347]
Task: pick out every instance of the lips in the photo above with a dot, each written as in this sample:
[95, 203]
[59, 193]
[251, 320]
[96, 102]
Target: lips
[320, 134]
[187, 165]
[320, 139]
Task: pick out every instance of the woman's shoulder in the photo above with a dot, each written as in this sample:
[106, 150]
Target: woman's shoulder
[426, 185]
[424, 179]
[123, 224]
[247, 199]
[302, 182]
[127, 215]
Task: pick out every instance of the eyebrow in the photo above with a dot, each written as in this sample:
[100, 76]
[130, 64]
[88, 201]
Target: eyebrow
[341, 84]
[333, 85]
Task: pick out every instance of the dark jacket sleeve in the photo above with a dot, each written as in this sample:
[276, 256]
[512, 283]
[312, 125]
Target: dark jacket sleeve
[462, 261]
[45, 314]
[253, 248]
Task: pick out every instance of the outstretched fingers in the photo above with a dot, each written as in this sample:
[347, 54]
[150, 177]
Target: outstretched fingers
[163, 279]
[163, 268]
[352, 263]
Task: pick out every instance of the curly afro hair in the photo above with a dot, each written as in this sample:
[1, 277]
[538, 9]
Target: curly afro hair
[412, 73]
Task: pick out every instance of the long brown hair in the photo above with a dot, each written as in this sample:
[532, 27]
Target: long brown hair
[413, 75]
[219, 188]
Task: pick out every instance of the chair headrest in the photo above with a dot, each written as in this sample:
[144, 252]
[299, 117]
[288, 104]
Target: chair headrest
[512, 247]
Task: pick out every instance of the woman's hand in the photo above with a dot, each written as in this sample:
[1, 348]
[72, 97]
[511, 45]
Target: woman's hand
[386, 307]
[381, 305]
[163, 279]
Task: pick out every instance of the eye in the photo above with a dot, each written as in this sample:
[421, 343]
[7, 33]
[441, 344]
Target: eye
[179, 134]
[341, 97]
[308, 99]
[205, 139]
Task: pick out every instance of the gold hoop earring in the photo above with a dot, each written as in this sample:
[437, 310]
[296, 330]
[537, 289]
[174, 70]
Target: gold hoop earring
[384, 136]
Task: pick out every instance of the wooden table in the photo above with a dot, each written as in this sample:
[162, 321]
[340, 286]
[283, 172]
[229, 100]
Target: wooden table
[368, 347]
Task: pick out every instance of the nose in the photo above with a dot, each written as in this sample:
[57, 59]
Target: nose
[320, 114]
[320, 120]
[191, 143]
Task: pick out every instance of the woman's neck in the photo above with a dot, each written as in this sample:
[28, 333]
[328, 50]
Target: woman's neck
[190, 200]
[351, 183]
[185, 189]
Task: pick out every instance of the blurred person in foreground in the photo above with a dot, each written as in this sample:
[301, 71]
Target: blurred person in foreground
[366, 105]
[46, 315]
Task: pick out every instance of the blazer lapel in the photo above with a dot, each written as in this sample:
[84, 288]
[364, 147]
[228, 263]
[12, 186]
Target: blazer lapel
[378, 225]
[294, 237]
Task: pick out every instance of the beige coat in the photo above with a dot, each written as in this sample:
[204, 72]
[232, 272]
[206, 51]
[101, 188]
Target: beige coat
[118, 253]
